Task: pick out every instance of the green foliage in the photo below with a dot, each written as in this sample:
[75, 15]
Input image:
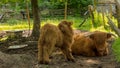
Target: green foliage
[53, 4]
[16, 5]
[79, 6]
[10, 1]
[116, 49]
[79, 3]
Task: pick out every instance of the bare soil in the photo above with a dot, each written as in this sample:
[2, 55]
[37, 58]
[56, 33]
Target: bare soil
[27, 57]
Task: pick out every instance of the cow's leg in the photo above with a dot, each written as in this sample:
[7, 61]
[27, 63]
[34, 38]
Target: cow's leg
[66, 49]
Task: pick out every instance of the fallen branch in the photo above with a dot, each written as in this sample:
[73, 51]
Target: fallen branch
[113, 26]
[14, 33]
[84, 19]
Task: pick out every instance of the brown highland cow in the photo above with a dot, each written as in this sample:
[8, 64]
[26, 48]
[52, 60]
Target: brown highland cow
[60, 36]
[93, 44]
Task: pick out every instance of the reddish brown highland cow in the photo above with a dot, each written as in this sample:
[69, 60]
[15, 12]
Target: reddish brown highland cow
[60, 36]
[93, 45]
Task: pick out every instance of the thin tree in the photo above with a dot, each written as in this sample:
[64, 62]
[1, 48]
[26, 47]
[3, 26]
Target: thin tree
[28, 15]
[94, 3]
[36, 20]
[65, 15]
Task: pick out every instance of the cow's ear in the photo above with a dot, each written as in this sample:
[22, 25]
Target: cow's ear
[61, 27]
[92, 36]
[108, 35]
[70, 23]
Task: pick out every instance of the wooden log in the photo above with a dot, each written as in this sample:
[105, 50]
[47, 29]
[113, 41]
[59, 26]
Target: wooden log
[113, 26]
[17, 46]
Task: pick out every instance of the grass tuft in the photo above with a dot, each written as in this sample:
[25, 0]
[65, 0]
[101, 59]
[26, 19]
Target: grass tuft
[116, 49]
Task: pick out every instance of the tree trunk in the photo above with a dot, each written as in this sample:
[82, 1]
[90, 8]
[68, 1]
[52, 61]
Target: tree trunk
[118, 12]
[36, 19]
[28, 16]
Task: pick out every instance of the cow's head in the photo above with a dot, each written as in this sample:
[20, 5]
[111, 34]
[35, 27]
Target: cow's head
[100, 41]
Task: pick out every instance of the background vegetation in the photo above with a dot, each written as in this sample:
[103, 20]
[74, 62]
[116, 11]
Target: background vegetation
[116, 49]
[49, 13]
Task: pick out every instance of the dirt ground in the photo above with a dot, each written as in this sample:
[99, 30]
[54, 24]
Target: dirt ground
[27, 57]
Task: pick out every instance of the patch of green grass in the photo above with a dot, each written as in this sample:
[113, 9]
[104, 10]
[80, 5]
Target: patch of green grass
[76, 22]
[86, 26]
[18, 25]
[13, 24]
[23, 24]
[116, 49]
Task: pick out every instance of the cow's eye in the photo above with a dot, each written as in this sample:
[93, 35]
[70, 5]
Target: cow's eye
[100, 50]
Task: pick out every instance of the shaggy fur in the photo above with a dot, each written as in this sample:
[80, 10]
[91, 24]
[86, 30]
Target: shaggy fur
[60, 36]
[93, 45]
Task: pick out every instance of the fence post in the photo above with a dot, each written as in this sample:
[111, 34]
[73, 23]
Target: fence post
[65, 14]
